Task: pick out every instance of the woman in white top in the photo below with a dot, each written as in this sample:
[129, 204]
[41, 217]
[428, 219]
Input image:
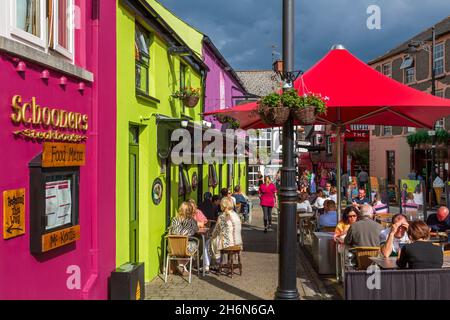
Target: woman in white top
[320, 200]
[303, 203]
[333, 194]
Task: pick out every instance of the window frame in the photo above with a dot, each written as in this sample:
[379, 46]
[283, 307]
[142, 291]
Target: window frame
[441, 59]
[26, 36]
[387, 134]
[413, 68]
[141, 63]
[390, 69]
[68, 53]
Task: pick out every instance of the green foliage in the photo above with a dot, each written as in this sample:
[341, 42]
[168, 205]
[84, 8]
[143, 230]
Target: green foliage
[421, 136]
[233, 123]
[317, 101]
[271, 100]
[291, 99]
[362, 156]
[187, 92]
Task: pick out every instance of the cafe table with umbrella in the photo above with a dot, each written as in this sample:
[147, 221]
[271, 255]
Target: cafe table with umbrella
[358, 94]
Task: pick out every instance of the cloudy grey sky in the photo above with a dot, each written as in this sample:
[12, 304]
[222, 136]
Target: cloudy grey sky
[245, 30]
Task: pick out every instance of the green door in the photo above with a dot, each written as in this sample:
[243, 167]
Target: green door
[134, 193]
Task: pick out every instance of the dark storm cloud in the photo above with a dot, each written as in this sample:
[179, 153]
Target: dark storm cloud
[245, 30]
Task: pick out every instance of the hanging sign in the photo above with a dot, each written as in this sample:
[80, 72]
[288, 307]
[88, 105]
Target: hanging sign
[13, 213]
[63, 155]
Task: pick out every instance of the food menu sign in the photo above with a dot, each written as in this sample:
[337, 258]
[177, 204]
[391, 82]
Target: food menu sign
[13, 213]
[58, 204]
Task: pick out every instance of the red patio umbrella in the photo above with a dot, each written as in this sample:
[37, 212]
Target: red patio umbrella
[358, 95]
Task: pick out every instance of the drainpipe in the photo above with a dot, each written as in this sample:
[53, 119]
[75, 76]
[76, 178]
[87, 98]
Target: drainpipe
[93, 252]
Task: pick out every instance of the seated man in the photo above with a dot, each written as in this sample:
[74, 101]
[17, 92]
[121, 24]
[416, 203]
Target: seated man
[361, 199]
[439, 221]
[394, 238]
[329, 217]
[242, 200]
[365, 232]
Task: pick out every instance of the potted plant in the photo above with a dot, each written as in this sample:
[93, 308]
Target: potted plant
[310, 106]
[190, 96]
[232, 122]
[272, 111]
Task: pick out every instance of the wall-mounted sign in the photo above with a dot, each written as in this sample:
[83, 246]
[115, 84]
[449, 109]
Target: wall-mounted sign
[32, 114]
[157, 191]
[13, 213]
[194, 181]
[60, 238]
[63, 155]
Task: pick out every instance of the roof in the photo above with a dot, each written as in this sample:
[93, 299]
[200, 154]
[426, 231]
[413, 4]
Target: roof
[227, 67]
[442, 28]
[259, 82]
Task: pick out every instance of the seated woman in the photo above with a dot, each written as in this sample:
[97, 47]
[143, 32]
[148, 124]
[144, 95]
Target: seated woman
[349, 217]
[410, 207]
[198, 214]
[320, 200]
[185, 225]
[227, 232]
[333, 194]
[329, 216]
[420, 254]
[303, 203]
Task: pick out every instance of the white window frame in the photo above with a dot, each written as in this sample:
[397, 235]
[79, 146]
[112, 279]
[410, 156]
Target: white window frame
[390, 69]
[442, 58]
[387, 134]
[56, 46]
[406, 75]
[23, 35]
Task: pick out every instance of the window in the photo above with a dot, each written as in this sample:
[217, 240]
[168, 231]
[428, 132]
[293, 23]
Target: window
[45, 23]
[63, 30]
[387, 69]
[440, 124]
[439, 59]
[142, 45]
[329, 145]
[408, 62]
[387, 130]
[390, 166]
[410, 75]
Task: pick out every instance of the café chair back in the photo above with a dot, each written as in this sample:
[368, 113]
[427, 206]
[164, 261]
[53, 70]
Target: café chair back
[230, 253]
[363, 254]
[327, 229]
[177, 247]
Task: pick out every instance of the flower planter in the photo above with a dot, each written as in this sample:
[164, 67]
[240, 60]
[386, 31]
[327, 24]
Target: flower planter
[306, 116]
[276, 116]
[191, 101]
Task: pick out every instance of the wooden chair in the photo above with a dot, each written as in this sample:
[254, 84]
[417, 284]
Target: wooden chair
[327, 229]
[384, 219]
[177, 247]
[230, 252]
[363, 254]
[447, 253]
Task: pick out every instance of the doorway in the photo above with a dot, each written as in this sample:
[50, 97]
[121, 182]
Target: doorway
[134, 193]
[390, 166]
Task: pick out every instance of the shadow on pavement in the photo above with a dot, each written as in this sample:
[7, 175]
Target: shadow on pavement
[231, 289]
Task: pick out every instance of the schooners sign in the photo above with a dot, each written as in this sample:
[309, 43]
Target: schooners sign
[32, 115]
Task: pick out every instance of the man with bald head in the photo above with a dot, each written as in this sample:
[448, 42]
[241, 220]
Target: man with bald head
[439, 221]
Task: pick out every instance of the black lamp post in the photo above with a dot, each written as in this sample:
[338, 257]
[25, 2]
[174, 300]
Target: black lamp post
[287, 266]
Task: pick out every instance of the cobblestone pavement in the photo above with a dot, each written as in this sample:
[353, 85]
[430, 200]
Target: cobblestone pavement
[260, 274]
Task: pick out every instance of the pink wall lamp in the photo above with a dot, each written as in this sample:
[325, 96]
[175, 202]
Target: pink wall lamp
[63, 81]
[21, 67]
[81, 86]
[45, 75]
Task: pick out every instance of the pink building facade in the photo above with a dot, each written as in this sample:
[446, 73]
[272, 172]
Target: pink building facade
[57, 87]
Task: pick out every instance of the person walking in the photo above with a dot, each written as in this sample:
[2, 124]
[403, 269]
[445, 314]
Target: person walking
[268, 196]
[363, 179]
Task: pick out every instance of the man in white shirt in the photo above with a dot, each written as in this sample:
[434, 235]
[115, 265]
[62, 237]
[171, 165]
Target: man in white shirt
[392, 239]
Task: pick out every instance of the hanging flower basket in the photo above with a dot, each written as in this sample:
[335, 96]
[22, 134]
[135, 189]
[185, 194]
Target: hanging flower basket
[272, 111]
[191, 101]
[306, 115]
[231, 122]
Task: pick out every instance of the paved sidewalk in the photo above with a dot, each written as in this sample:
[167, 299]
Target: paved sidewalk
[260, 274]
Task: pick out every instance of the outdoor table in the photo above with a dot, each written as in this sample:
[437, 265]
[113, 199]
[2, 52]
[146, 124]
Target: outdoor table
[391, 262]
[203, 232]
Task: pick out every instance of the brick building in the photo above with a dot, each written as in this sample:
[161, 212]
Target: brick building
[410, 63]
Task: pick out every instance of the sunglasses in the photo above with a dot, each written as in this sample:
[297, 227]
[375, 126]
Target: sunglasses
[352, 216]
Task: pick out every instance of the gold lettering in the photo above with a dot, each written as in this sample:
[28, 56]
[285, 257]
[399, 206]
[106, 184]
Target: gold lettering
[77, 121]
[63, 119]
[26, 120]
[36, 112]
[55, 122]
[46, 116]
[71, 120]
[16, 116]
[85, 125]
